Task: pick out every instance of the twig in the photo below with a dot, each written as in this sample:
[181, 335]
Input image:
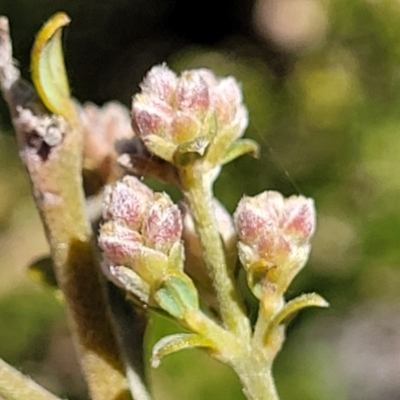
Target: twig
[54, 168]
[16, 386]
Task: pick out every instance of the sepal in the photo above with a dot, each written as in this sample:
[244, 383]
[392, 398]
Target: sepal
[177, 295]
[130, 281]
[190, 151]
[160, 147]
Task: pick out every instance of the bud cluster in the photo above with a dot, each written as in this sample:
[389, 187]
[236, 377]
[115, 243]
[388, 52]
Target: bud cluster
[139, 225]
[186, 128]
[196, 106]
[193, 122]
[142, 248]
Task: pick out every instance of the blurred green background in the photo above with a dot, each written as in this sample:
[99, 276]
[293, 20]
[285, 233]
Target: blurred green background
[321, 80]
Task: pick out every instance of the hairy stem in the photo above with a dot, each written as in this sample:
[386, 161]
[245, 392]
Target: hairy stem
[240, 351]
[256, 377]
[16, 386]
[198, 192]
[55, 174]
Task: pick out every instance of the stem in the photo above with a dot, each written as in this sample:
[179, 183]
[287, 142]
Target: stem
[16, 386]
[251, 361]
[252, 365]
[247, 357]
[57, 188]
[55, 174]
[256, 377]
[198, 191]
[271, 304]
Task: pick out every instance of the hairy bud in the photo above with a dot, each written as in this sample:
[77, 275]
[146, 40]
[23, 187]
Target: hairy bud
[178, 110]
[274, 234]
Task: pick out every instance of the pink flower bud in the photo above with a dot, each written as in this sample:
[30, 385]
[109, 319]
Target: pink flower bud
[142, 231]
[120, 244]
[227, 100]
[299, 218]
[161, 83]
[163, 224]
[127, 202]
[180, 109]
[152, 117]
[274, 227]
[192, 93]
[102, 129]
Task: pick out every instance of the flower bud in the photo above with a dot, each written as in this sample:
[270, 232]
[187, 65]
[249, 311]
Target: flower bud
[141, 230]
[161, 83]
[192, 94]
[275, 232]
[103, 128]
[127, 202]
[229, 110]
[162, 226]
[179, 110]
[119, 243]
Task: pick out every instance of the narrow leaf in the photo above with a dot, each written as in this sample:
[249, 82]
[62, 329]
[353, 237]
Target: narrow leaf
[173, 343]
[48, 69]
[297, 304]
[241, 147]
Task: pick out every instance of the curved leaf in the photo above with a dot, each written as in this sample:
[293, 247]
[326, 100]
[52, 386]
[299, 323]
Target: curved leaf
[48, 69]
[241, 147]
[173, 343]
[297, 304]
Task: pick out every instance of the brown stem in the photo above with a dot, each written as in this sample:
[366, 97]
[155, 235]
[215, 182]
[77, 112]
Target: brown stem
[55, 174]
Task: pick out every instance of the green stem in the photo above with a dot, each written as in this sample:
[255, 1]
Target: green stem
[256, 377]
[235, 346]
[16, 386]
[252, 361]
[270, 305]
[198, 192]
[252, 364]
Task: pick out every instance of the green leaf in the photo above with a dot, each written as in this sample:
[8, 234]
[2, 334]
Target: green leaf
[173, 343]
[48, 70]
[177, 295]
[297, 304]
[241, 147]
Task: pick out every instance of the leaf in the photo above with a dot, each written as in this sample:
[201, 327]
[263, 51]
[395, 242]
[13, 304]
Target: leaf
[297, 304]
[173, 343]
[241, 147]
[177, 295]
[48, 69]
